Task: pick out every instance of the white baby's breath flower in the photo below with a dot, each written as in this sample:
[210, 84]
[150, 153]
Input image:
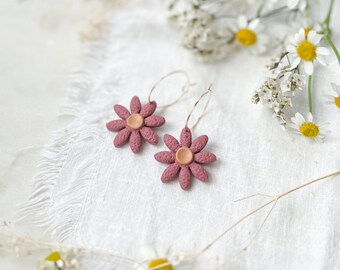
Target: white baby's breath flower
[334, 97]
[304, 48]
[248, 34]
[308, 128]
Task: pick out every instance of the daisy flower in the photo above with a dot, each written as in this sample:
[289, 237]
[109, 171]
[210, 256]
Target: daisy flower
[249, 35]
[185, 158]
[152, 257]
[135, 125]
[334, 97]
[64, 260]
[304, 48]
[308, 128]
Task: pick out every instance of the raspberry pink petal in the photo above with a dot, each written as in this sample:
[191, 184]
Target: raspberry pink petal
[170, 173]
[184, 178]
[135, 105]
[122, 137]
[165, 157]
[149, 135]
[121, 111]
[135, 141]
[199, 143]
[154, 121]
[199, 172]
[148, 109]
[186, 137]
[171, 142]
[116, 125]
[205, 157]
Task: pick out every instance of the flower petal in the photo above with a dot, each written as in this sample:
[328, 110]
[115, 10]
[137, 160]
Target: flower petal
[321, 60]
[154, 121]
[149, 135]
[313, 37]
[291, 48]
[116, 125]
[165, 157]
[308, 67]
[135, 141]
[310, 117]
[253, 24]
[199, 143]
[122, 137]
[185, 178]
[323, 51]
[170, 173]
[171, 142]
[135, 105]
[186, 137]
[205, 157]
[121, 111]
[242, 21]
[148, 109]
[199, 172]
[295, 62]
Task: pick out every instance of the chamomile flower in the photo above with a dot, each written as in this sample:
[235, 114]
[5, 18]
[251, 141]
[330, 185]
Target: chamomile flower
[308, 128]
[152, 257]
[249, 35]
[304, 48]
[334, 97]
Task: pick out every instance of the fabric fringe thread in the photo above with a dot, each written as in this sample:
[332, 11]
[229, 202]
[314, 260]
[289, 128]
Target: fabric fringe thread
[41, 208]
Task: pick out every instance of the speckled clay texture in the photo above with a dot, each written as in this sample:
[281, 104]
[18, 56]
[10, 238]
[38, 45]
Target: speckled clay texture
[184, 171]
[134, 136]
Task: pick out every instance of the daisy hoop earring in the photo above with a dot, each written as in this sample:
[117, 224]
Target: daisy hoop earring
[138, 123]
[186, 157]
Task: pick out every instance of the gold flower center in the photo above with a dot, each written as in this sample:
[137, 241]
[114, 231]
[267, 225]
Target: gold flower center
[184, 156]
[337, 101]
[53, 257]
[306, 50]
[135, 121]
[309, 130]
[160, 261]
[246, 37]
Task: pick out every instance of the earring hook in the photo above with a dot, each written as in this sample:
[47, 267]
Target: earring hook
[208, 92]
[185, 88]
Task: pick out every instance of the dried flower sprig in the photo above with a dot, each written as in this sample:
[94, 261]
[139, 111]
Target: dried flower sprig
[68, 257]
[304, 51]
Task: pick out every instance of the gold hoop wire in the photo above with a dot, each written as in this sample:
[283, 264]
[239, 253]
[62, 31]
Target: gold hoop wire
[208, 92]
[185, 88]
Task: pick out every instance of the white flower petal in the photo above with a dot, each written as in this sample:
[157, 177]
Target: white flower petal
[242, 21]
[298, 119]
[321, 60]
[322, 51]
[295, 62]
[291, 48]
[301, 35]
[253, 24]
[313, 37]
[308, 67]
[310, 117]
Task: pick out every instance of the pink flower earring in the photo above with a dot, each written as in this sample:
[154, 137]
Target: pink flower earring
[139, 122]
[186, 157]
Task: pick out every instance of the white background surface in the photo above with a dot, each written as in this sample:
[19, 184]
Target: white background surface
[124, 209]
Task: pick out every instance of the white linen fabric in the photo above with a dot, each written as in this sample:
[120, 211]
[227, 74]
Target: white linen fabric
[90, 193]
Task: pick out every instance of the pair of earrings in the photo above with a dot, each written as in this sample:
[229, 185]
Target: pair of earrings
[185, 156]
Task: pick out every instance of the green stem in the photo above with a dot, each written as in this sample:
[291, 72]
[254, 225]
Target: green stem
[310, 100]
[335, 50]
[329, 13]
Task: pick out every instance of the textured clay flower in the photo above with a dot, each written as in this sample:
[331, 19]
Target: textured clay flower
[185, 158]
[135, 125]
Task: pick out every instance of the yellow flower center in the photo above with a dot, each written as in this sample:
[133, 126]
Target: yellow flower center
[307, 30]
[309, 130]
[53, 257]
[157, 262]
[246, 37]
[337, 101]
[306, 50]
